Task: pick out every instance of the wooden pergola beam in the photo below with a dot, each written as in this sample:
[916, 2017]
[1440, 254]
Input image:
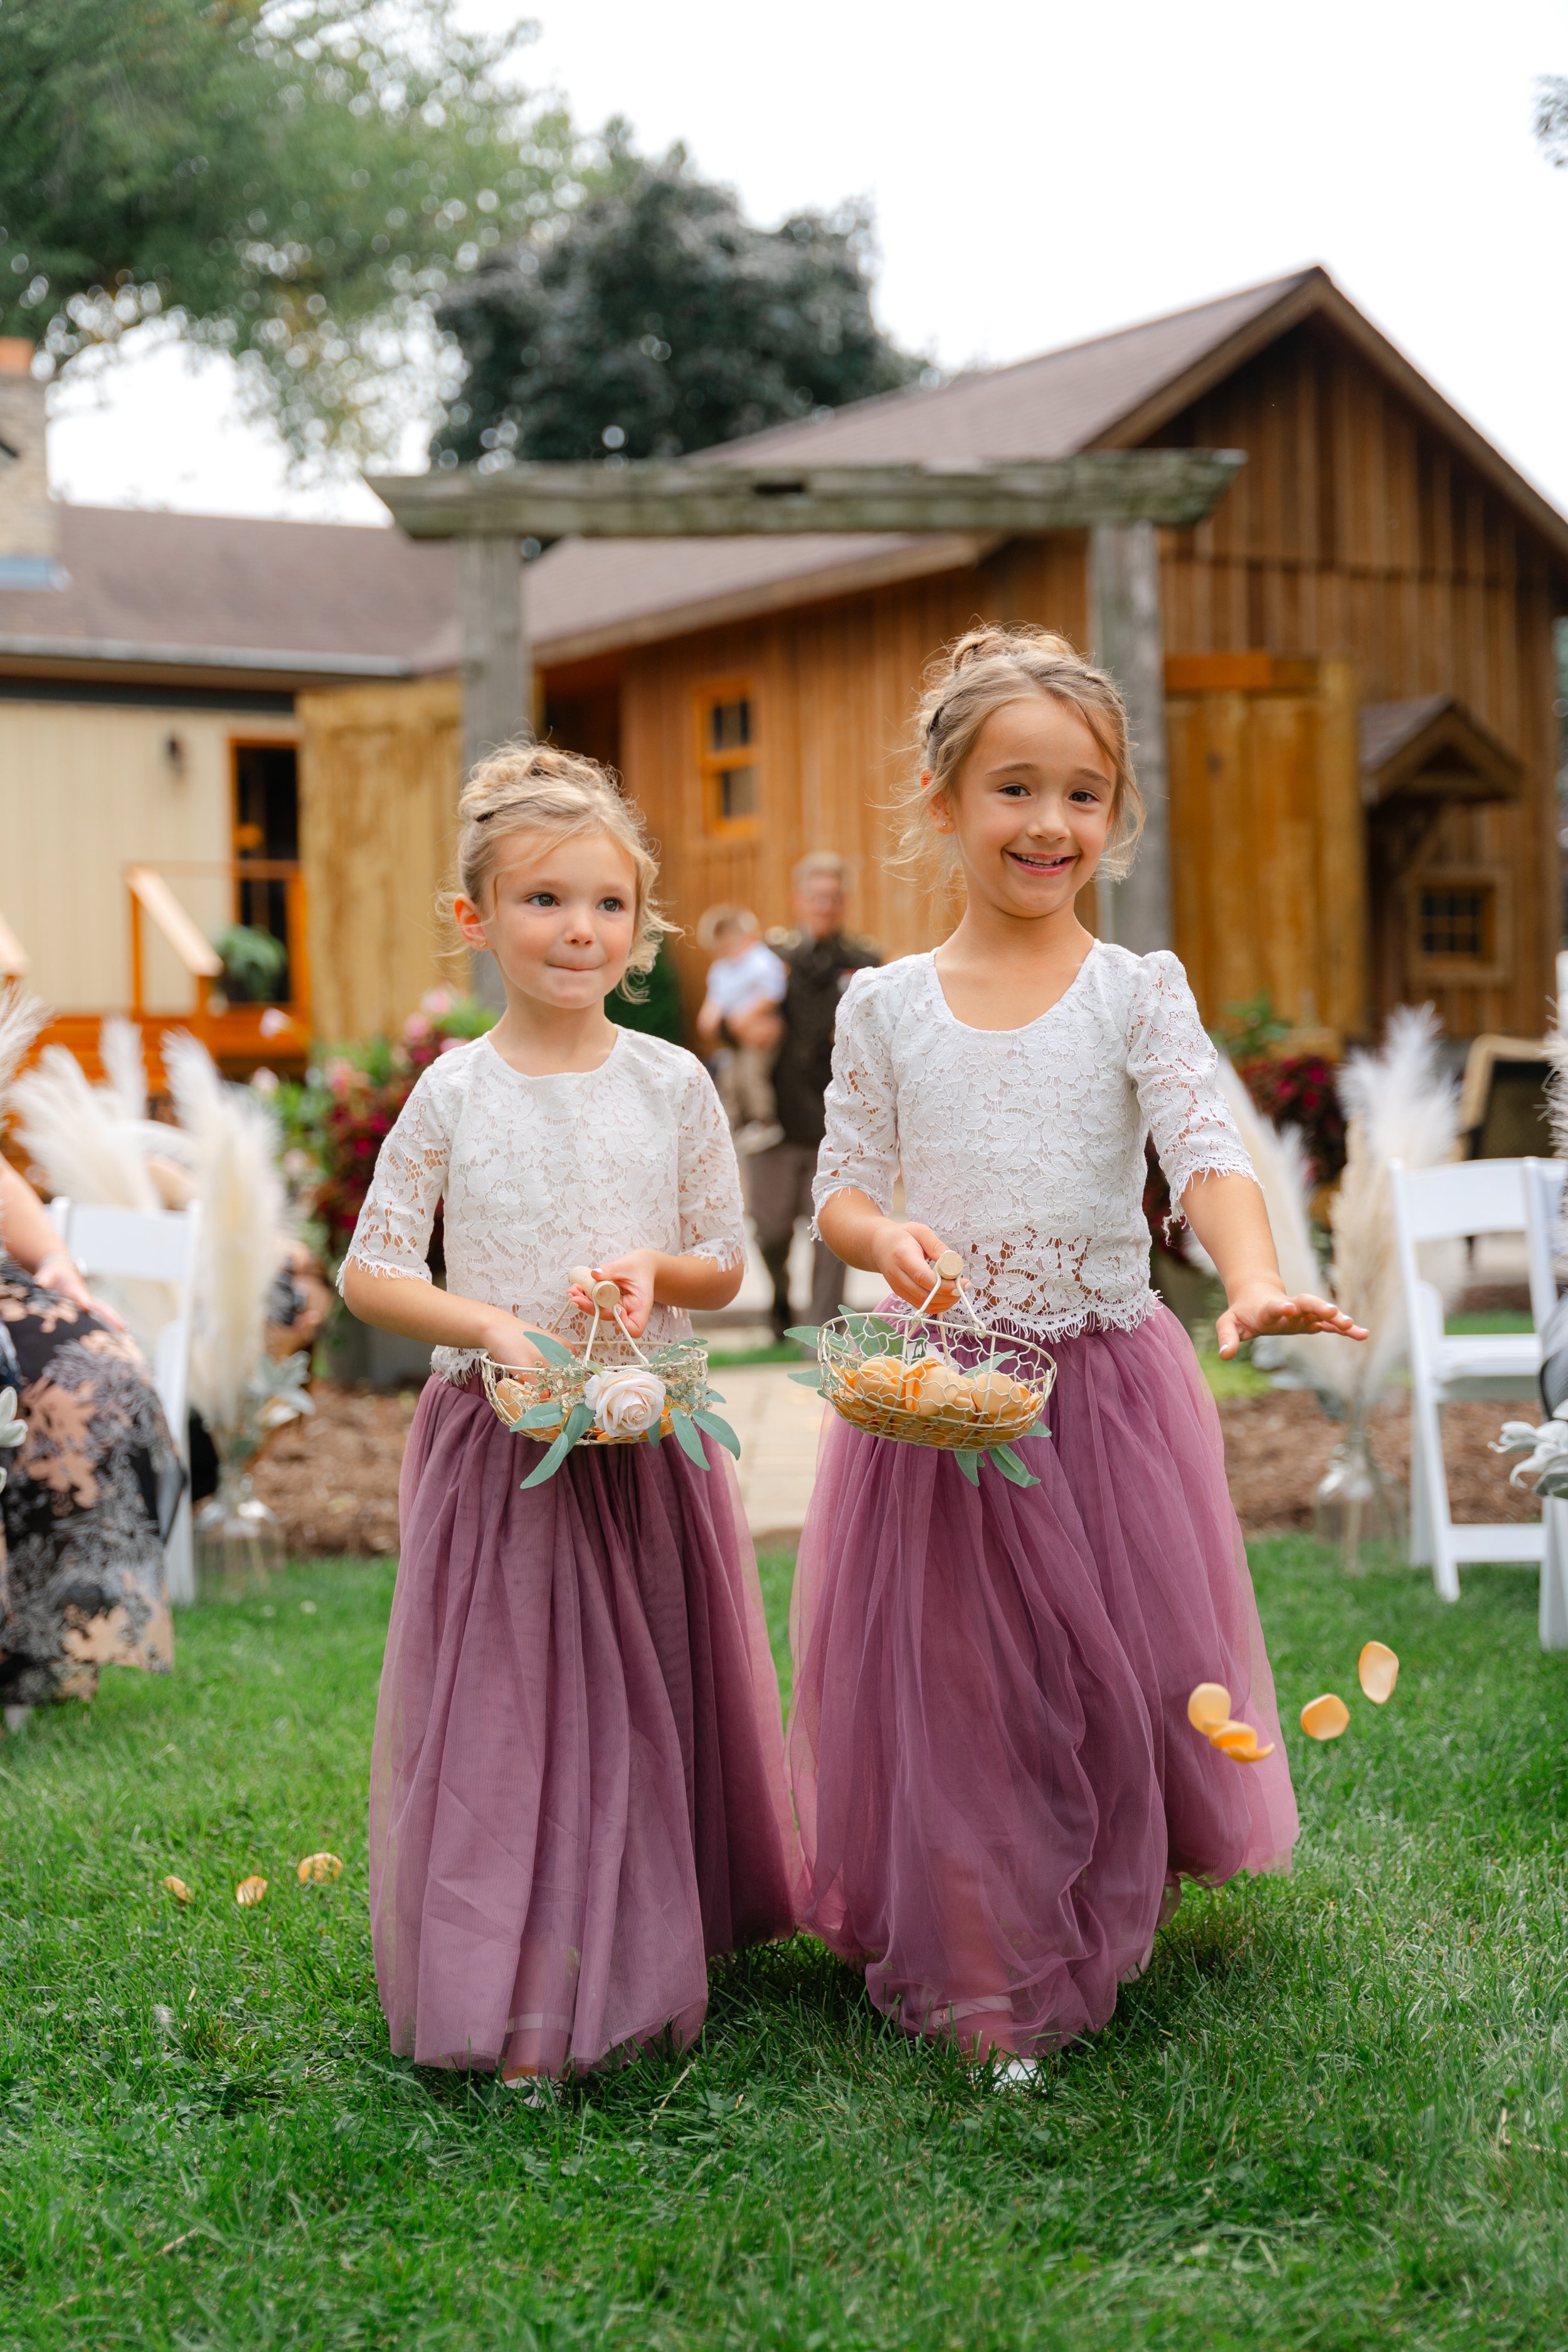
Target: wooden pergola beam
[1121, 497]
[655, 499]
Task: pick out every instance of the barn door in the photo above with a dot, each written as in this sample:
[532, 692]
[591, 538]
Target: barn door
[1268, 848]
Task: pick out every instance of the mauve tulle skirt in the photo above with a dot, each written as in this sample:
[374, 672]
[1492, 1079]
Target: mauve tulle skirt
[577, 1789]
[997, 1786]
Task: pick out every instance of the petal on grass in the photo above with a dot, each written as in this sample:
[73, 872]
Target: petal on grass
[1208, 1706]
[1325, 1718]
[317, 1868]
[178, 1889]
[1379, 1671]
[249, 1891]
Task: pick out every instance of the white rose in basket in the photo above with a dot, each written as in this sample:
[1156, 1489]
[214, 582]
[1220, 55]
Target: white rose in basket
[627, 1403]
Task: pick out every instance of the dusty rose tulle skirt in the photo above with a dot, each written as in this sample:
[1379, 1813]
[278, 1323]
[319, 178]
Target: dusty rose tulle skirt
[997, 1785]
[577, 1789]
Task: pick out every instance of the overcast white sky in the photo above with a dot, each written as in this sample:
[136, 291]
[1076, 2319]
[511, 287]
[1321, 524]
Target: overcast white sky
[1040, 173]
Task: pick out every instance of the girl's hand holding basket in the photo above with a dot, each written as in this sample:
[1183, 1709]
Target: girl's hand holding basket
[612, 1392]
[897, 1375]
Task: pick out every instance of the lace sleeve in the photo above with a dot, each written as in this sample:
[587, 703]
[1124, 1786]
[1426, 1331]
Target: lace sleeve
[712, 1212]
[391, 1234]
[1173, 1066]
[860, 1148]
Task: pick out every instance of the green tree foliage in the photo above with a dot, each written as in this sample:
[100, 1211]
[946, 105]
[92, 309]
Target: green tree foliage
[655, 319]
[292, 183]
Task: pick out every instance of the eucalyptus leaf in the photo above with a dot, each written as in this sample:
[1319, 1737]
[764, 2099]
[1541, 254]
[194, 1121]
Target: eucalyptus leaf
[811, 1379]
[717, 1426]
[685, 1430]
[711, 1396]
[1010, 1466]
[808, 1334]
[540, 1416]
[577, 1421]
[552, 1350]
[1037, 1429]
[968, 1461]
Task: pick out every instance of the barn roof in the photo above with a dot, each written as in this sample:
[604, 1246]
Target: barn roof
[592, 596]
[290, 602]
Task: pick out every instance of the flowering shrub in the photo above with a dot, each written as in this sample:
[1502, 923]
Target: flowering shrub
[1291, 1090]
[335, 1123]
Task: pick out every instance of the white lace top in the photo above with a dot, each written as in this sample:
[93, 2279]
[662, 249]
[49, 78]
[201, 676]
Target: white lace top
[539, 1175]
[1023, 1147]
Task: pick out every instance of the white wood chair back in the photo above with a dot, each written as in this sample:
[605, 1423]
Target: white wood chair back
[138, 1246]
[1459, 1201]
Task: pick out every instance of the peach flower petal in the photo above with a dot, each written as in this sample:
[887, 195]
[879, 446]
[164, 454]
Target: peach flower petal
[1208, 1706]
[249, 1891]
[1325, 1718]
[1379, 1671]
[178, 1889]
[1239, 1742]
[317, 1868]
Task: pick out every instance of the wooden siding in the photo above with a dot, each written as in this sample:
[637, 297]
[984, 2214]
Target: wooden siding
[1268, 881]
[88, 789]
[1358, 533]
[834, 684]
[378, 802]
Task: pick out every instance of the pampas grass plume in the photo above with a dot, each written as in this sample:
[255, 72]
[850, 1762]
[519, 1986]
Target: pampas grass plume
[232, 1148]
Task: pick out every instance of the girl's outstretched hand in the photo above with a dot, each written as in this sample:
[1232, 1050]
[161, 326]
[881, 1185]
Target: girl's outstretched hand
[1264, 1307]
[906, 1257]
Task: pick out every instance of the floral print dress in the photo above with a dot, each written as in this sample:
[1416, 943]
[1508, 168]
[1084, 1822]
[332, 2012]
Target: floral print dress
[91, 1494]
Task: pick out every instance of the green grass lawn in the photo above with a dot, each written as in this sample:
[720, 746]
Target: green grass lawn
[1331, 2114]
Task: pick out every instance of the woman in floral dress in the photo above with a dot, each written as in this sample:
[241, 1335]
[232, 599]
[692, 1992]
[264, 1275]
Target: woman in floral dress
[92, 1489]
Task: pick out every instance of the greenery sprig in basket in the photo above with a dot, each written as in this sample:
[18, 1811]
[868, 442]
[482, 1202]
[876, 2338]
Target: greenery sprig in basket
[611, 1391]
[895, 1376]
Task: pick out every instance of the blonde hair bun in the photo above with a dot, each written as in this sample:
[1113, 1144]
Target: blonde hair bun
[539, 788]
[990, 666]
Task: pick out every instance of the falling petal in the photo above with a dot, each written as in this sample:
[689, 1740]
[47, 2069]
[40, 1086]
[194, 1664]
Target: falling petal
[178, 1889]
[1208, 1706]
[1379, 1671]
[249, 1890]
[1325, 1718]
[1239, 1742]
[318, 1868]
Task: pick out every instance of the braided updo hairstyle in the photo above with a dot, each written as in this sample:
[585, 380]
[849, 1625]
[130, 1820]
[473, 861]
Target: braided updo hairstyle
[537, 788]
[987, 667]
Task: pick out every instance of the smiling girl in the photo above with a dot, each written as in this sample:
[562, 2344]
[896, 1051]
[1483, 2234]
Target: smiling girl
[577, 1786]
[998, 1787]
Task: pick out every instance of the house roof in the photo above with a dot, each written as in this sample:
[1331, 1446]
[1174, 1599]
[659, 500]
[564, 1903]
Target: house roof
[1432, 743]
[198, 593]
[290, 604]
[591, 597]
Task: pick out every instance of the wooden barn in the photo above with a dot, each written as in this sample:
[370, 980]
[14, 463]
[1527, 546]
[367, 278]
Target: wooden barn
[1359, 689]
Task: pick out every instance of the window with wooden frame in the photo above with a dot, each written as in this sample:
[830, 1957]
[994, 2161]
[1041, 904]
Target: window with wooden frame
[1457, 926]
[727, 758]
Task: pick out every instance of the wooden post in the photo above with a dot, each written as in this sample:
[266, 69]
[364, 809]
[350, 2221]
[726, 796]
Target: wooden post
[1124, 623]
[498, 678]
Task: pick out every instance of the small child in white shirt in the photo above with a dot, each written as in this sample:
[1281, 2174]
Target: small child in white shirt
[745, 977]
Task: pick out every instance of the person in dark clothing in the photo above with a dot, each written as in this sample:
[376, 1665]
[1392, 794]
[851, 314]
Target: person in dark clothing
[821, 959]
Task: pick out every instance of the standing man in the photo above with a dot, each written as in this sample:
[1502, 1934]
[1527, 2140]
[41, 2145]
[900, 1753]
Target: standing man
[821, 960]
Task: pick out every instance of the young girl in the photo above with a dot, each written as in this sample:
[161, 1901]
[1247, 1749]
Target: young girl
[577, 1788]
[997, 1784]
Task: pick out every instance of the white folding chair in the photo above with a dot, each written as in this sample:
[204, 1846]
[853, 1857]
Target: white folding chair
[137, 1246]
[1543, 1210]
[1452, 1203]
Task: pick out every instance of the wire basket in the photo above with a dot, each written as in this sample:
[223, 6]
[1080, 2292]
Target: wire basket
[606, 1390]
[922, 1380]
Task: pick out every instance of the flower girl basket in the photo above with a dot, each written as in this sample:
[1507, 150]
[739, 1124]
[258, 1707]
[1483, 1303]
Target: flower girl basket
[610, 1392]
[896, 1375]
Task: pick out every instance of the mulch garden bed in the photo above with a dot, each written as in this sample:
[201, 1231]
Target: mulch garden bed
[333, 1480]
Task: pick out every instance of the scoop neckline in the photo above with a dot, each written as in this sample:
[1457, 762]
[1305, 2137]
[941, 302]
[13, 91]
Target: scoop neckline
[968, 1026]
[551, 1078]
